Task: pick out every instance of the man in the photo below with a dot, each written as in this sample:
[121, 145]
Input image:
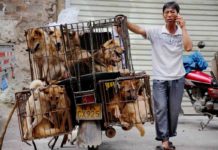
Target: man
[168, 43]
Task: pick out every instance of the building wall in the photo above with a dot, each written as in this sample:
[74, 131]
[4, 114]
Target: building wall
[18, 15]
[15, 17]
[201, 18]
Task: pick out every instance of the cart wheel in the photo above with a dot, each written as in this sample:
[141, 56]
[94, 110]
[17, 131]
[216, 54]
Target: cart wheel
[110, 132]
[92, 148]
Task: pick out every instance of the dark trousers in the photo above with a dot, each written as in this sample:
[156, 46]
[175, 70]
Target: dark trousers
[167, 98]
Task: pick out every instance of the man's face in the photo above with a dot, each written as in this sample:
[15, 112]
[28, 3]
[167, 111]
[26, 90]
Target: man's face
[170, 15]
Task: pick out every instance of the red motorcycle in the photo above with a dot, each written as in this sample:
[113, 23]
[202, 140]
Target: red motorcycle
[202, 90]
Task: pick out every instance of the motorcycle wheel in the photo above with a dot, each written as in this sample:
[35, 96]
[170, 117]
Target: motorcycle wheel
[92, 148]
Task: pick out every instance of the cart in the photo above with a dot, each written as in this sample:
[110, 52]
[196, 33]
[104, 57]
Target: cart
[97, 62]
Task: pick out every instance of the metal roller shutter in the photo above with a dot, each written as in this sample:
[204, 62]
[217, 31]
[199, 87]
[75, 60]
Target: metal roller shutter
[201, 18]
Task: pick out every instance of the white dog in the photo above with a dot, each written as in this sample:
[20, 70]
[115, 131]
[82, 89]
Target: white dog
[35, 107]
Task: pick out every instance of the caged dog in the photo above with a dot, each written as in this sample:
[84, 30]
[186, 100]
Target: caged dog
[37, 40]
[79, 59]
[55, 66]
[56, 38]
[56, 120]
[36, 107]
[135, 114]
[105, 58]
[128, 105]
[77, 53]
[58, 103]
[42, 45]
[45, 110]
[109, 57]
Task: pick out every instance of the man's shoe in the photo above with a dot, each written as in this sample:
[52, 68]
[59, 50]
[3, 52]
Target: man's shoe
[160, 147]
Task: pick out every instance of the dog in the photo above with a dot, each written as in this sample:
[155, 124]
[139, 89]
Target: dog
[109, 57]
[46, 109]
[35, 107]
[56, 38]
[126, 105]
[55, 67]
[125, 91]
[44, 129]
[78, 57]
[134, 113]
[58, 103]
[75, 53]
[37, 40]
[44, 47]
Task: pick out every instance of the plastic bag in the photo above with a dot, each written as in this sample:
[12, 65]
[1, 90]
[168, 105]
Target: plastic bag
[195, 61]
[68, 15]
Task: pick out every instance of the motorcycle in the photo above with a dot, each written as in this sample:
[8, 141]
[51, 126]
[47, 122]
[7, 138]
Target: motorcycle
[202, 90]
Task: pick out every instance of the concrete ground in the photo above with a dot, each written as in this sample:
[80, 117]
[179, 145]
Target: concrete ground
[189, 137]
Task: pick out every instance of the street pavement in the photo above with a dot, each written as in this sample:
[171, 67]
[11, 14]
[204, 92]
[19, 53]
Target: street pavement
[190, 137]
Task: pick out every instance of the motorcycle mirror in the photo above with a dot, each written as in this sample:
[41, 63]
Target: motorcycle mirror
[201, 44]
[214, 82]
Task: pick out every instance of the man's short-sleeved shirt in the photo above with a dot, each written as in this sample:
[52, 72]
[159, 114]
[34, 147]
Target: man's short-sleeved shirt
[167, 50]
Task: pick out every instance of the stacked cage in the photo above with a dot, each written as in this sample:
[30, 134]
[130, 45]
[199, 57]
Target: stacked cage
[127, 103]
[87, 69]
[43, 112]
[98, 50]
[101, 57]
[44, 109]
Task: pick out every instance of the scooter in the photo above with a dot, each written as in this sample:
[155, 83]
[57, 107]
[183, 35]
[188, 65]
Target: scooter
[202, 90]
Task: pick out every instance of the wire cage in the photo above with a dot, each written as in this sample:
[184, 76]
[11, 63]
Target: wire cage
[126, 101]
[46, 56]
[43, 113]
[95, 50]
[94, 54]
[78, 49]
[98, 46]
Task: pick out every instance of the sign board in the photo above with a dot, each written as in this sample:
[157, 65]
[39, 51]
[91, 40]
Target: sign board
[7, 64]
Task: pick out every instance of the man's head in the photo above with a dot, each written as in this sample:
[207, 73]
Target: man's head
[170, 11]
[172, 5]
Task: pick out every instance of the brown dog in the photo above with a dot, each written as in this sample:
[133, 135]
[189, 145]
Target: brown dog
[73, 51]
[134, 113]
[76, 56]
[58, 105]
[109, 57]
[56, 39]
[41, 130]
[37, 40]
[44, 48]
[55, 67]
[45, 129]
[48, 105]
[127, 106]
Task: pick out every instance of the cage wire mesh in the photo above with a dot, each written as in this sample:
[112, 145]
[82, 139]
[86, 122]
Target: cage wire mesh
[57, 52]
[126, 101]
[95, 54]
[43, 113]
